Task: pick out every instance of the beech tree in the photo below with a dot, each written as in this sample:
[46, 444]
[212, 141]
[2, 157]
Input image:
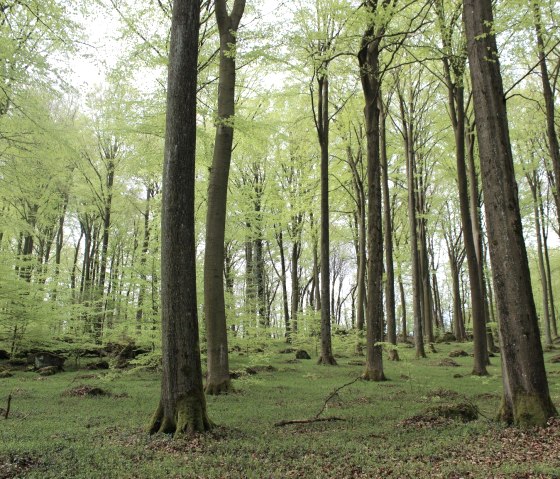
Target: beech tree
[526, 398]
[214, 303]
[182, 407]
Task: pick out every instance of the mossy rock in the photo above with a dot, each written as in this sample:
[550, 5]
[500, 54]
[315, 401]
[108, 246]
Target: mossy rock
[97, 365]
[464, 412]
[302, 354]
[287, 351]
[48, 370]
[86, 391]
[448, 362]
[457, 353]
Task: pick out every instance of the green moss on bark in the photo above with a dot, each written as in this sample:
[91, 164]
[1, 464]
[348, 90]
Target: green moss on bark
[374, 375]
[189, 417]
[217, 388]
[526, 410]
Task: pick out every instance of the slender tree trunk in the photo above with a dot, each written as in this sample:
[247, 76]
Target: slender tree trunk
[326, 356]
[526, 398]
[182, 408]
[388, 240]
[296, 248]
[280, 241]
[414, 252]
[552, 137]
[533, 181]
[404, 331]
[218, 380]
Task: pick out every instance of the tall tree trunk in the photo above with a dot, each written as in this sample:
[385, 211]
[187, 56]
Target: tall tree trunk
[326, 356]
[368, 58]
[534, 181]
[296, 248]
[526, 398]
[477, 300]
[182, 407]
[280, 241]
[388, 240]
[218, 380]
[143, 258]
[414, 251]
[404, 326]
[552, 137]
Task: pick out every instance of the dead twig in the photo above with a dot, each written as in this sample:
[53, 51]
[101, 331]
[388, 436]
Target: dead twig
[8, 407]
[308, 421]
[317, 418]
[334, 393]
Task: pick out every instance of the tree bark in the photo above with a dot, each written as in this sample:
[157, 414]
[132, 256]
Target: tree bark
[368, 58]
[218, 380]
[326, 356]
[182, 407]
[526, 398]
[388, 239]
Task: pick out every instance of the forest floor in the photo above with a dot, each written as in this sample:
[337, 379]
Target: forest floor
[55, 430]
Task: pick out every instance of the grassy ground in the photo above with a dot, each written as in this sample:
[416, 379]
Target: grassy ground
[50, 434]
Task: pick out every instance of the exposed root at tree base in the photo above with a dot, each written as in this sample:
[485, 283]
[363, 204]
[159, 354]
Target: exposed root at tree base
[215, 389]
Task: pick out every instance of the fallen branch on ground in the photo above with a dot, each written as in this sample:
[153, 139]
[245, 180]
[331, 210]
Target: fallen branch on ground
[308, 421]
[317, 418]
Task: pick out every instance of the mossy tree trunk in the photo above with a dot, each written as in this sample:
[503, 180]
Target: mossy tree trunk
[182, 407]
[526, 398]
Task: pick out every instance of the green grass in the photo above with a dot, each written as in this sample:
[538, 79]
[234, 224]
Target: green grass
[52, 435]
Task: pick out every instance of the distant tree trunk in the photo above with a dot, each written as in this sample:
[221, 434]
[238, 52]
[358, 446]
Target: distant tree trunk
[526, 398]
[182, 407]
[361, 255]
[280, 242]
[548, 273]
[326, 356]
[408, 131]
[552, 137]
[143, 258]
[476, 217]
[388, 240]
[534, 181]
[296, 250]
[404, 331]
[218, 380]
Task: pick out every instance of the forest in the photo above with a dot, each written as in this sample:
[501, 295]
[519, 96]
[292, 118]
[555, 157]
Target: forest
[279, 239]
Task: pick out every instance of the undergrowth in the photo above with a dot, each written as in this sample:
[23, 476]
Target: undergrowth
[54, 432]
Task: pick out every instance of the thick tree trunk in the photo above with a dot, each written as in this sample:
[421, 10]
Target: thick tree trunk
[368, 57]
[526, 398]
[218, 380]
[182, 407]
